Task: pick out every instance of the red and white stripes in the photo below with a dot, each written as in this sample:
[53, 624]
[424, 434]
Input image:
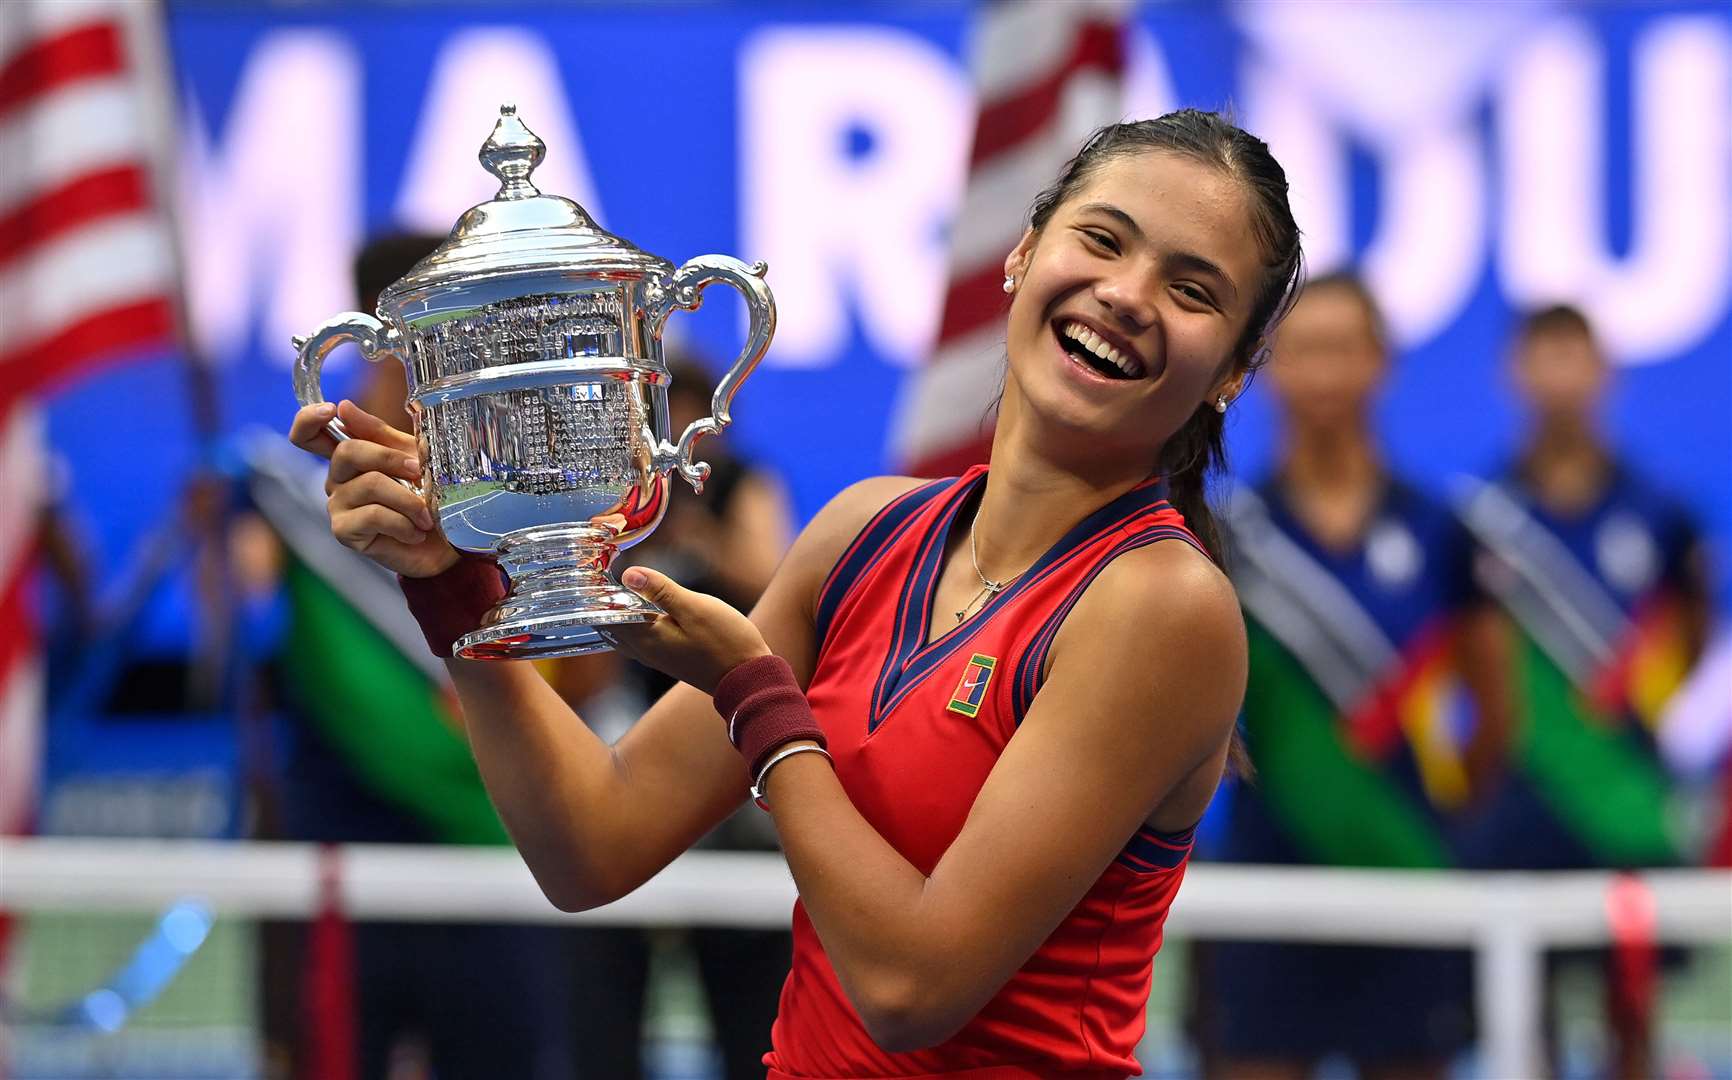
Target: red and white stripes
[1046, 74]
[86, 264]
[87, 276]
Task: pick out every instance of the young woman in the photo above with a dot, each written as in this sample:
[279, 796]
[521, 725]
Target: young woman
[1026, 677]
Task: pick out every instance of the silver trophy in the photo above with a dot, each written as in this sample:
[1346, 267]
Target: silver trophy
[532, 340]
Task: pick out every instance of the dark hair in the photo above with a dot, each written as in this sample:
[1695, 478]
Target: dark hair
[1349, 282]
[1554, 319]
[689, 375]
[387, 257]
[1198, 448]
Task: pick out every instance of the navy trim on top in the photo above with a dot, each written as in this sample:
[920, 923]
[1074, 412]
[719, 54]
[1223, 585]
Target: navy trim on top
[909, 661]
[1151, 851]
[1026, 675]
[875, 538]
[913, 618]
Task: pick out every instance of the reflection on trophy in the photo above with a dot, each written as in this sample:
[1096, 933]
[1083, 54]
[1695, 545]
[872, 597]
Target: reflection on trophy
[532, 340]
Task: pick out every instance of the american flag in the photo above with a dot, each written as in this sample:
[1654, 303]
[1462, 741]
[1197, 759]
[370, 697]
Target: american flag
[87, 273]
[1046, 73]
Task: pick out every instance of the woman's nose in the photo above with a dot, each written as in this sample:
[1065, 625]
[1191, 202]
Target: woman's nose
[1130, 294]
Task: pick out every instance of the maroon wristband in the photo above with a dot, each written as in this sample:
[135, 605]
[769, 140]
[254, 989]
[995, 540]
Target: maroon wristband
[764, 709]
[451, 603]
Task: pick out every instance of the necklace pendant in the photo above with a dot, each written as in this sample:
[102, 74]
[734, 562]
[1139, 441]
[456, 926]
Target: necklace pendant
[988, 587]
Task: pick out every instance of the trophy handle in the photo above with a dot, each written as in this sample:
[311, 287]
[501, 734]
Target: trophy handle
[684, 289]
[375, 340]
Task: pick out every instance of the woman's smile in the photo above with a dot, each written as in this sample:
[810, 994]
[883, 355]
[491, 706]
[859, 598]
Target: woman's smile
[1101, 352]
[1129, 302]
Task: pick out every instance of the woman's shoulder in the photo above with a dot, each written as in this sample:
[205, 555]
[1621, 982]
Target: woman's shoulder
[853, 508]
[858, 503]
[827, 536]
[1168, 580]
[1162, 625]
[1165, 596]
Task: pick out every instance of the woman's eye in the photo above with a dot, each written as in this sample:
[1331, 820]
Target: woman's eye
[1101, 240]
[1194, 294]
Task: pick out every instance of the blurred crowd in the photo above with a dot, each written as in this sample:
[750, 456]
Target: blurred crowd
[1479, 680]
[1492, 677]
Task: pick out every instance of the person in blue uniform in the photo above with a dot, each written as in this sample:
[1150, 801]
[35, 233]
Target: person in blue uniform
[1366, 741]
[1604, 579]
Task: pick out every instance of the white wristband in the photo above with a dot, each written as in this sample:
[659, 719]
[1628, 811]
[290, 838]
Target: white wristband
[784, 752]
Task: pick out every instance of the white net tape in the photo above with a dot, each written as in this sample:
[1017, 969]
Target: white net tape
[1508, 919]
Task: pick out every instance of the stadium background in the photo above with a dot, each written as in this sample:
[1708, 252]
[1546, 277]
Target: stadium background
[307, 128]
[1476, 159]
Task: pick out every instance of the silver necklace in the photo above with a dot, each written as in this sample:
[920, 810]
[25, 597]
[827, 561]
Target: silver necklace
[988, 587]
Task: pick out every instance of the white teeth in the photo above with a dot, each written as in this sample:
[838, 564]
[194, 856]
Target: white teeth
[1093, 343]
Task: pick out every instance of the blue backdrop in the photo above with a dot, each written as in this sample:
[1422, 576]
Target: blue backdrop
[303, 122]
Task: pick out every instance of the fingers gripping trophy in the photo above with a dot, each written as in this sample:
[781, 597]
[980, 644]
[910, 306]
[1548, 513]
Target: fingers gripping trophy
[532, 342]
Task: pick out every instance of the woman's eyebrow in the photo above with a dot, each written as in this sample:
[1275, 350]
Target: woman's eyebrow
[1191, 261]
[1116, 214]
[1178, 260]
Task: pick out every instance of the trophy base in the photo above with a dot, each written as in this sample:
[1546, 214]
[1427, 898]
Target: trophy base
[560, 592]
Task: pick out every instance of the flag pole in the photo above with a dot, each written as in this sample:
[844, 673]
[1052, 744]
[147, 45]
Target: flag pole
[205, 499]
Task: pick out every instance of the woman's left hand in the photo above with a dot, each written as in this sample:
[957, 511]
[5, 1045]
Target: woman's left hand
[699, 640]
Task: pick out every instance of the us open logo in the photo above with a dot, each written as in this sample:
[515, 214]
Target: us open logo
[971, 691]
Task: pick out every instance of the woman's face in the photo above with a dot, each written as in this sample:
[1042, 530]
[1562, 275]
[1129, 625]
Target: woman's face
[1129, 302]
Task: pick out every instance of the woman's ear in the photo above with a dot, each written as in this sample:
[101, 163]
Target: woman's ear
[1233, 385]
[1017, 261]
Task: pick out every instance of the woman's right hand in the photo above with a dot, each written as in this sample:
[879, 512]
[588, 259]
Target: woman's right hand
[371, 512]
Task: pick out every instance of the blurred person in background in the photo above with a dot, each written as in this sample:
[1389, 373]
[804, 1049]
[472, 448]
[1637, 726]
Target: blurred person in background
[376, 753]
[731, 537]
[727, 542]
[1363, 623]
[1606, 579]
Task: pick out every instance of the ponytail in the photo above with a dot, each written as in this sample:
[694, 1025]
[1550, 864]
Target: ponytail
[1193, 453]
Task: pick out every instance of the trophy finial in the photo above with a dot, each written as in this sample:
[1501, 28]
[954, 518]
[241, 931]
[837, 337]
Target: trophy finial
[511, 153]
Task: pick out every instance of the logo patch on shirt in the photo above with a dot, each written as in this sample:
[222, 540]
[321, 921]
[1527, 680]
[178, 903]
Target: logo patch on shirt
[971, 691]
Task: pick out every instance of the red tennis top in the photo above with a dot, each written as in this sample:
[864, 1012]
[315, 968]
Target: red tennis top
[915, 729]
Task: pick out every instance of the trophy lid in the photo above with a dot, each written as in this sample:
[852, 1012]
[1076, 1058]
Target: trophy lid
[520, 229]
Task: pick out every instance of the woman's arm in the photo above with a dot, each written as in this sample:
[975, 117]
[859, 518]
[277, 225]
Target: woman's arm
[1146, 678]
[594, 822]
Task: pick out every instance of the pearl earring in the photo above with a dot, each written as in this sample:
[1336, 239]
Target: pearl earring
[1009, 284]
[1221, 404]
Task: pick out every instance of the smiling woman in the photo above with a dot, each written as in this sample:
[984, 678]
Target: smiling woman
[1203, 260]
[988, 815]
